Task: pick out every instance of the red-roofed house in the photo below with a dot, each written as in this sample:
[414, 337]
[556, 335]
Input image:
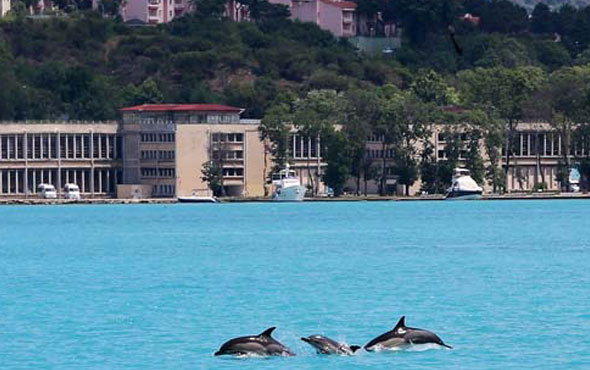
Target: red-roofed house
[336, 16]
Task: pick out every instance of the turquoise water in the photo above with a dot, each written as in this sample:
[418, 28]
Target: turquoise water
[507, 283]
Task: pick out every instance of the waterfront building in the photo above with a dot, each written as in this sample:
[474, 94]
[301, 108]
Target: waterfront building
[336, 16]
[4, 7]
[57, 153]
[535, 159]
[166, 146]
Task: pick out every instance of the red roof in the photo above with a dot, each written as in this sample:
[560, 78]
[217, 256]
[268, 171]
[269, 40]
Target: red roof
[341, 4]
[181, 108]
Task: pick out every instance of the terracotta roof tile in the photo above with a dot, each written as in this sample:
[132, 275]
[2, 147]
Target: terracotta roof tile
[181, 108]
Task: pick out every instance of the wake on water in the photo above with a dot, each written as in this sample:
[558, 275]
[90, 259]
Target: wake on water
[412, 348]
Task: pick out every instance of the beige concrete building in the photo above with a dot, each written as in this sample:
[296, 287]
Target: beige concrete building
[166, 146]
[84, 153]
[536, 154]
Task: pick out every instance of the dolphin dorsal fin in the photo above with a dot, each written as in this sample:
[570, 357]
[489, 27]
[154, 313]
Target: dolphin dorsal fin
[400, 324]
[267, 332]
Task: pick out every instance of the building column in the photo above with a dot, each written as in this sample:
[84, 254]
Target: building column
[100, 181]
[1, 157]
[16, 189]
[34, 175]
[9, 180]
[58, 156]
[26, 157]
[108, 143]
[50, 177]
[92, 169]
[83, 182]
[1, 182]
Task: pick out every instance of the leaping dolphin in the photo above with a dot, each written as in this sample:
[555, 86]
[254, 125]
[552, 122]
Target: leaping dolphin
[402, 336]
[262, 344]
[327, 346]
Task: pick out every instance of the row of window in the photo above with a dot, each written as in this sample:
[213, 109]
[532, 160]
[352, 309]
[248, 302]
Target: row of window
[162, 155]
[164, 190]
[442, 154]
[171, 119]
[233, 172]
[228, 155]
[220, 137]
[376, 138]
[157, 138]
[157, 172]
[45, 146]
[443, 136]
[380, 153]
[302, 147]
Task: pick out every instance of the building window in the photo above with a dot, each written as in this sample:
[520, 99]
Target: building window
[158, 172]
[157, 137]
[233, 172]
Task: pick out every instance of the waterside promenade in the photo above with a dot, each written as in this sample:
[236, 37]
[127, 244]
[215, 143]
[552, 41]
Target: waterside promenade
[349, 198]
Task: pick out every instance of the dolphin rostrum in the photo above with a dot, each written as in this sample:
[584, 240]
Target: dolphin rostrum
[262, 344]
[327, 346]
[402, 336]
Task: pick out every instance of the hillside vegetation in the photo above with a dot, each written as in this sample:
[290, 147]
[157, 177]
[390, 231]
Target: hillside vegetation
[85, 67]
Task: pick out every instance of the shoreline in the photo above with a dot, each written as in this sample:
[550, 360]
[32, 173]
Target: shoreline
[347, 198]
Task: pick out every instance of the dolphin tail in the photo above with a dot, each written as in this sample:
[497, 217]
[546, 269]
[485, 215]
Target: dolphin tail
[354, 348]
[445, 345]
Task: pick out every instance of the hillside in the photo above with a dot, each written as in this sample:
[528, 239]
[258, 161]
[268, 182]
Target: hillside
[86, 67]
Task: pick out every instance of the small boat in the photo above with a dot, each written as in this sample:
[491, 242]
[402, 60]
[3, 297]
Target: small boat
[463, 187]
[199, 197]
[287, 187]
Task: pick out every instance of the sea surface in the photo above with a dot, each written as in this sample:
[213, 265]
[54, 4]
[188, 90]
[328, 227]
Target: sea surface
[506, 283]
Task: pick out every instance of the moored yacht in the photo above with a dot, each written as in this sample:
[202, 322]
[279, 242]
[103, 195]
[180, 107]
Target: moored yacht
[199, 197]
[286, 186]
[463, 186]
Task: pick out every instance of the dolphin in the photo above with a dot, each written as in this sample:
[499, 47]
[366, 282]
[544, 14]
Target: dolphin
[327, 346]
[262, 344]
[402, 336]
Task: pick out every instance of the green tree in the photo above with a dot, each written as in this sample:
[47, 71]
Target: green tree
[212, 174]
[564, 103]
[542, 19]
[502, 93]
[209, 8]
[430, 87]
[338, 162]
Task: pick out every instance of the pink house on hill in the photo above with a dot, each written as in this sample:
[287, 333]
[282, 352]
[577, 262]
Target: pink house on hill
[336, 16]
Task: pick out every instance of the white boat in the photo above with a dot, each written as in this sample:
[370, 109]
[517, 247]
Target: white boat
[463, 186]
[287, 187]
[203, 197]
